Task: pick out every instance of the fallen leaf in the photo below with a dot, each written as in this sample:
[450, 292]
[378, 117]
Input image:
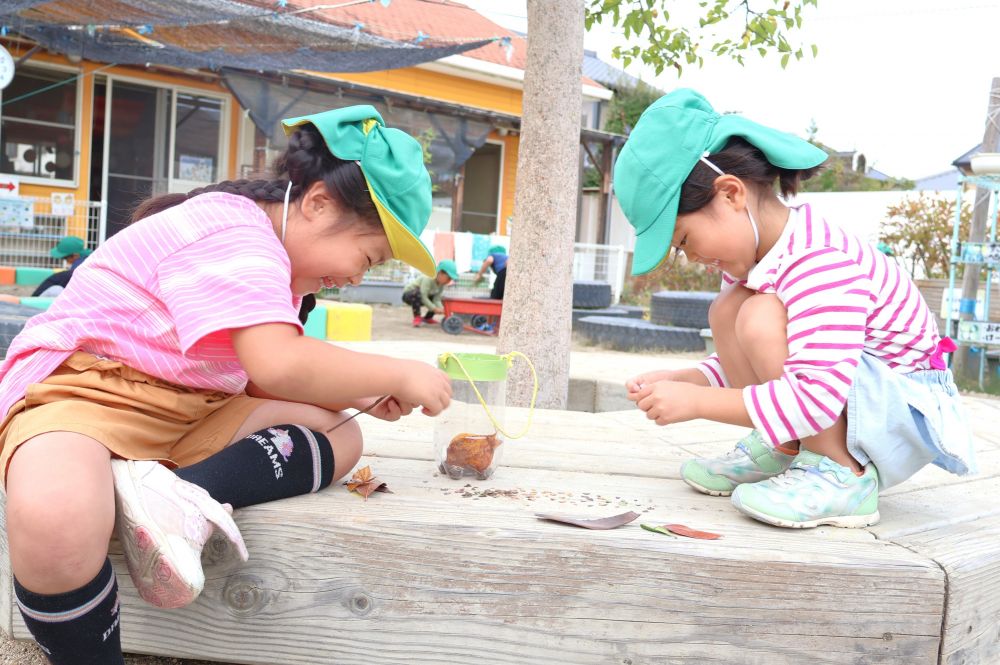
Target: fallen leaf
[364, 482]
[688, 532]
[591, 523]
[657, 529]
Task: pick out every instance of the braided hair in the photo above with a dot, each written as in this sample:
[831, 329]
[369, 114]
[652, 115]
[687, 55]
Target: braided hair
[306, 160]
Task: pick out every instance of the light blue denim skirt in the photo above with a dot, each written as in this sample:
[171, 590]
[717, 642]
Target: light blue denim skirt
[901, 422]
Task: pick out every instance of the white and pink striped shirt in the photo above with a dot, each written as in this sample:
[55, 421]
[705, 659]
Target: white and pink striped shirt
[161, 297]
[843, 298]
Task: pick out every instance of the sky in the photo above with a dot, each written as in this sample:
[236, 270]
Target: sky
[906, 82]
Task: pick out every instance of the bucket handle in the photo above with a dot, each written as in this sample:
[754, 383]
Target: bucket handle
[509, 357]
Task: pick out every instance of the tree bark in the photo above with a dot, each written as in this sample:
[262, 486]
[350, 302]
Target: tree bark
[538, 299]
[962, 363]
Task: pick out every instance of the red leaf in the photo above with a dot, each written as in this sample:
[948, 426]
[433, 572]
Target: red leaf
[688, 532]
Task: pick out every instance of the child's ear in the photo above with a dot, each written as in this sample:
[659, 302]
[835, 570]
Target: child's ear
[316, 201]
[732, 190]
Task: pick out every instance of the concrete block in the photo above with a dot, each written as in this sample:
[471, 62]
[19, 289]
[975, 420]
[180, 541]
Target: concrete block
[389, 293]
[348, 322]
[316, 323]
[31, 276]
[581, 395]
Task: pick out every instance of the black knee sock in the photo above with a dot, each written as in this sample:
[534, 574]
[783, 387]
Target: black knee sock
[274, 463]
[77, 627]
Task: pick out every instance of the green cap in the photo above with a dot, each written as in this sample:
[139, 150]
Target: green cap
[448, 267]
[497, 249]
[669, 139]
[885, 249]
[69, 245]
[392, 162]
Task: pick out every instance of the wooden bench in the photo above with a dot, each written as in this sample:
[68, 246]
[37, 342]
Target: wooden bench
[444, 571]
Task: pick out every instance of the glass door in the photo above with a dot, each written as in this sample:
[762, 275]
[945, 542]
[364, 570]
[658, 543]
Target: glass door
[157, 140]
[135, 148]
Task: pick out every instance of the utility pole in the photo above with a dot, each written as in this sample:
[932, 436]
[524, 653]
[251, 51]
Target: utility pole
[961, 364]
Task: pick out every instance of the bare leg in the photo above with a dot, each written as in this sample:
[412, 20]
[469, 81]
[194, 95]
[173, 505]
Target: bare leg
[762, 333]
[722, 319]
[60, 511]
[346, 441]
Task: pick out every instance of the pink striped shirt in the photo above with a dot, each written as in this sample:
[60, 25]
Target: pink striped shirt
[844, 298]
[161, 297]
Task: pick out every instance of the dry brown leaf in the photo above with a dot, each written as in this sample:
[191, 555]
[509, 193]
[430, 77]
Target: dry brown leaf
[688, 532]
[364, 482]
[472, 451]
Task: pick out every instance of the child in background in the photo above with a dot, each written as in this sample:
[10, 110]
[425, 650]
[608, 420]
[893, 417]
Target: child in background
[179, 342]
[426, 292]
[824, 346]
[72, 250]
[496, 259]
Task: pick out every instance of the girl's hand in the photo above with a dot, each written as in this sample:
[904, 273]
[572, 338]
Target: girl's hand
[637, 382]
[425, 386]
[391, 409]
[667, 401]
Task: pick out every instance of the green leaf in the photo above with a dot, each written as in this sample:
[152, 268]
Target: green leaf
[815, 50]
[784, 60]
[657, 529]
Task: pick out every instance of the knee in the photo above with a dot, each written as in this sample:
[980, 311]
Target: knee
[725, 308]
[347, 443]
[761, 320]
[57, 541]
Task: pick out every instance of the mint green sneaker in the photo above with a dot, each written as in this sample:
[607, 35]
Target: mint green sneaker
[752, 460]
[814, 491]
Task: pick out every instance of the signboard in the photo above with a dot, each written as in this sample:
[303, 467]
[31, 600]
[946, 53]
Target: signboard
[16, 213]
[62, 203]
[10, 186]
[981, 252]
[979, 332]
[953, 297]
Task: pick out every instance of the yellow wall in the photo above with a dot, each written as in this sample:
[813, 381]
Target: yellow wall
[436, 85]
[511, 143]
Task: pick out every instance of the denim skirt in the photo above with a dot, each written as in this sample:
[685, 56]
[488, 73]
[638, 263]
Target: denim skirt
[901, 422]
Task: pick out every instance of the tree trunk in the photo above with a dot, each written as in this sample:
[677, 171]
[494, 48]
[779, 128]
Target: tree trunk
[538, 299]
[962, 363]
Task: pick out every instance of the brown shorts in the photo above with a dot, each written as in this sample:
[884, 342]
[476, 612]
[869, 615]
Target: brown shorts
[136, 416]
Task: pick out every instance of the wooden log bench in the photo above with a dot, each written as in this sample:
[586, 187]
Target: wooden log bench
[444, 571]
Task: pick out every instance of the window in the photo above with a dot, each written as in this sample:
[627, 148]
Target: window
[38, 133]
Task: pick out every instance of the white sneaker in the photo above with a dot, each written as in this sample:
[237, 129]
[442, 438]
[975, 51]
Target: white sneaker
[162, 523]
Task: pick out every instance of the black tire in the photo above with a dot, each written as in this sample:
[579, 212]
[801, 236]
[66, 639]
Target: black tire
[625, 334]
[478, 320]
[453, 324]
[591, 295]
[684, 309]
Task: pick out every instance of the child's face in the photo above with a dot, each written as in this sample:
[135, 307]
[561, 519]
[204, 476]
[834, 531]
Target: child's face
[718, 235]
[329, 249]
[443, 278]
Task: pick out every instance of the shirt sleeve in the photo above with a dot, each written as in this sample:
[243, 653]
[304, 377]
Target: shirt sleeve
[426, 283]
[234, 278]
[828, 299]
[711, 367]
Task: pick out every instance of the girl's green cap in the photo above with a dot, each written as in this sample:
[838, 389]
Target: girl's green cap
[392, 162]
[669, 139]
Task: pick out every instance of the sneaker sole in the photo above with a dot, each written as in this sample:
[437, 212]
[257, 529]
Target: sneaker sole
[843, 521]
[162, 576]
[705, 490]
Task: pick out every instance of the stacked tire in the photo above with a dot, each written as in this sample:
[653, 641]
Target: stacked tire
[12, 320]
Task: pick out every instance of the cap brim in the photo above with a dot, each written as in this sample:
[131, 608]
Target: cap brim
[652, 246]
[404, 245]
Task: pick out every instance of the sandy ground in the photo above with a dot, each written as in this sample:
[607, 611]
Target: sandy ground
[388, 322]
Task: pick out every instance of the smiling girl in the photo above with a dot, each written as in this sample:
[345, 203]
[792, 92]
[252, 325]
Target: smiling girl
[824, 346]
[178, 341]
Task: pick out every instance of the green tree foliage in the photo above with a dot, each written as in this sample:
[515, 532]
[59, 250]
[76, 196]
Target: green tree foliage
[627, 105]
[838, 176]
[920, 230]
[761, 26]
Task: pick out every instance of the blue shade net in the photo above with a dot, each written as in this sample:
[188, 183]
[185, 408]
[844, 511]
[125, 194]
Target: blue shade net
[214, 34]
[450, 139]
